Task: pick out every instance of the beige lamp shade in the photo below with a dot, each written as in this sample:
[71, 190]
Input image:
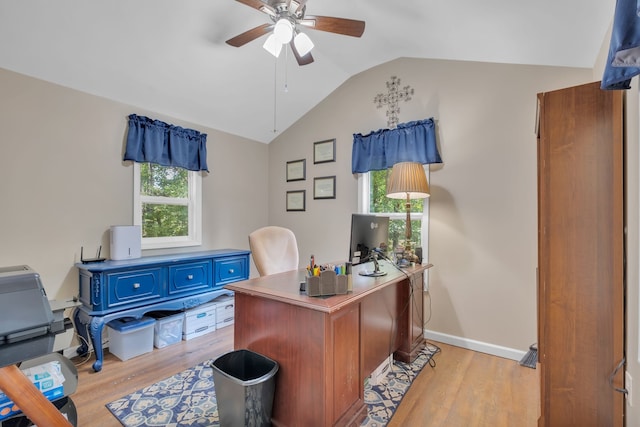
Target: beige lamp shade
[407, 180]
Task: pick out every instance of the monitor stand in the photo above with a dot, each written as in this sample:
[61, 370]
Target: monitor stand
[373, 273]
[376, 271]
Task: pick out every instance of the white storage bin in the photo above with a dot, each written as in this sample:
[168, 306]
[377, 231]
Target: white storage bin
[168, 329]
[199, 321]
[225, 311]
[129, 338]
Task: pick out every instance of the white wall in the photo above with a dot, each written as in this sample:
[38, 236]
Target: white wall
[63, 182]
[483, 232]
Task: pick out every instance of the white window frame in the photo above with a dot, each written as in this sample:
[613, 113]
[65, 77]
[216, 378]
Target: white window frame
[364, 203]
[193, 201]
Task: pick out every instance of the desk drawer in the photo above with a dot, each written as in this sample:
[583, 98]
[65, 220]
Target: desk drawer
[230, 269]
[134, 287]
[190, 278]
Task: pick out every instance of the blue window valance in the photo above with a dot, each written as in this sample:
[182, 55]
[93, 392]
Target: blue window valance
[409, 142]
[157, 142]
[623, 61]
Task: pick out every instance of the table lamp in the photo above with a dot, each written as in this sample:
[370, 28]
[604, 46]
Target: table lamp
[408, 181]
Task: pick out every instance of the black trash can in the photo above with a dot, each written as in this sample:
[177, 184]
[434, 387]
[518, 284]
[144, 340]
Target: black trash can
[244, 382]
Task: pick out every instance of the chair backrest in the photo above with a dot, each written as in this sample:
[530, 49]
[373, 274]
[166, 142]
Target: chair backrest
[274, 250]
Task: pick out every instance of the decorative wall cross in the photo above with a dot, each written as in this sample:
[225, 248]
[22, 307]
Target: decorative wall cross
[391, 98]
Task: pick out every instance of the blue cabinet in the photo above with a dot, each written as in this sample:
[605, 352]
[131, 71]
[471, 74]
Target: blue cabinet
[131, 288]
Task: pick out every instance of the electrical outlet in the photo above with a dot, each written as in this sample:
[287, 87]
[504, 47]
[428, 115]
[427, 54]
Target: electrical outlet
[628, 385]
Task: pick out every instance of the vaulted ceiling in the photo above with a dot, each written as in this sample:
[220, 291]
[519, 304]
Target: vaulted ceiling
[170, 56]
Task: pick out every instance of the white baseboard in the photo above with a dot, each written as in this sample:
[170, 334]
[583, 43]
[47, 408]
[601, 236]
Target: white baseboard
[482, 347]
[70, 352]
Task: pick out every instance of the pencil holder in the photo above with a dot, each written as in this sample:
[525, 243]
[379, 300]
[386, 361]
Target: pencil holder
[327, 283]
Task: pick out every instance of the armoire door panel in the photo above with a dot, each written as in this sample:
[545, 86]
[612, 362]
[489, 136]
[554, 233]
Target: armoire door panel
[580, 289]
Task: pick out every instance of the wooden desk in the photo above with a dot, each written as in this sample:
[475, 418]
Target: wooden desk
[327, 346]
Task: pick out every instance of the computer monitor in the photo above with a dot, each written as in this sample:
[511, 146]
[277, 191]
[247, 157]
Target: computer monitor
[367, 233]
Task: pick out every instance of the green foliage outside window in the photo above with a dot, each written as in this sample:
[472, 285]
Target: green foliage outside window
[380, 203]
[164, 219]
[163, 181]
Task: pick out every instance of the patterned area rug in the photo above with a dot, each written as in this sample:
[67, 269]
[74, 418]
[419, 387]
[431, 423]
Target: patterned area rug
[188, 398]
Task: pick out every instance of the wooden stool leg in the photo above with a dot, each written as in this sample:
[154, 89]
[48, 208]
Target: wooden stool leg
[29, 399]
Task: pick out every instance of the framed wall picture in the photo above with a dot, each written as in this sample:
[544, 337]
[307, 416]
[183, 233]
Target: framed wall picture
[297, 170]
[324, 187]
[296, 201]
[324, 151]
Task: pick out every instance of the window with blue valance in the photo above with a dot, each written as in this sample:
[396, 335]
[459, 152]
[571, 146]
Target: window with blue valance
[408, 142]
[157, 142]
[623, 61]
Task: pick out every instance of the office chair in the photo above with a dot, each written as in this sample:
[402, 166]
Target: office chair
[274, 250]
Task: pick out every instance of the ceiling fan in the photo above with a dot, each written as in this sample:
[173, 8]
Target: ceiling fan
[288, 17]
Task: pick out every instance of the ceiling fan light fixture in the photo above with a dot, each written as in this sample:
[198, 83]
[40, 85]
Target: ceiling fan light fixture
[272, 45]
[283, 30]
[303, 44]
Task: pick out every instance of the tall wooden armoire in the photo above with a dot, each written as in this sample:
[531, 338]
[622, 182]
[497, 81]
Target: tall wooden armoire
[580, 257]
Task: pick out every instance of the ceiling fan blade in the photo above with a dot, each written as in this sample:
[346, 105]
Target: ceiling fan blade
[259, 5]
[347, 27]
[302, 60]
[250, 35]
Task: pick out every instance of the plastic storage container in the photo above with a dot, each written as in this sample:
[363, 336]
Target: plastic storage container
[244, 382]
[129, 337]
[167, 329]
[225, 310]
[199, 321]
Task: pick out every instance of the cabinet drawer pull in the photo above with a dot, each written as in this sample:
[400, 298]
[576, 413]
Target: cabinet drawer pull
[136, 285]
[231, 271]
[190, 277]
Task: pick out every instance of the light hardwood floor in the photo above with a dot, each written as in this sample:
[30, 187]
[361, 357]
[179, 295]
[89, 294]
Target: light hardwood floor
[471, 389]
[464, 389]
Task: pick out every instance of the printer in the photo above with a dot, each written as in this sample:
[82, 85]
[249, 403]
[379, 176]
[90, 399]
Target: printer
[27, 324]
[28, 327]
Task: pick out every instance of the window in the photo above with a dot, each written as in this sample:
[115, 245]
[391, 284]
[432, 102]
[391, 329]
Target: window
[167, 206]
[373, 199]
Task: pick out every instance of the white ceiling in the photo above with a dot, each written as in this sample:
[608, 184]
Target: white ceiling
[169, 56]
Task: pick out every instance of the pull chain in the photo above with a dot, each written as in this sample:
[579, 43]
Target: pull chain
[286, 70]
[275, 93]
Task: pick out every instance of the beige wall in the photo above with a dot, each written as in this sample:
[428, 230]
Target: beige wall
[483, 211]
[63, 182]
